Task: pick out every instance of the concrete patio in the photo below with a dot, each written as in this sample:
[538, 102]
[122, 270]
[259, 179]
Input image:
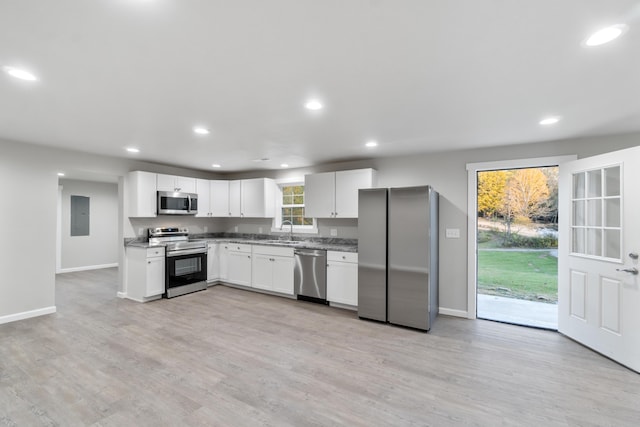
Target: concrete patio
[518, 312]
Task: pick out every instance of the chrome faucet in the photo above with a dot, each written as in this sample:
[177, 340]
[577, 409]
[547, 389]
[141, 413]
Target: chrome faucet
[286, 221]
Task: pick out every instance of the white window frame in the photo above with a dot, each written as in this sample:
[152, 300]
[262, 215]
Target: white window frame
[472, 213]
[277, 220]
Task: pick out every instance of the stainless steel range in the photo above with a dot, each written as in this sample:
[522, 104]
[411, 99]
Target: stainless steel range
[186, 260]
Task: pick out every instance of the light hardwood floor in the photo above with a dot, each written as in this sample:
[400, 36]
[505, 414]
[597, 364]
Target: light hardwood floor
[228, 357]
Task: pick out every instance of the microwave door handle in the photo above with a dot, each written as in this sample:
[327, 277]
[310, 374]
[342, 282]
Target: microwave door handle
[189, 207]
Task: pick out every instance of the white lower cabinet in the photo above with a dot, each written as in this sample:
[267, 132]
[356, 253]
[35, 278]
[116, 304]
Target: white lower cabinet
[213, 262]
[342, 277]
[223, 257]
[272, 269]
[238, 264]
[145, 273]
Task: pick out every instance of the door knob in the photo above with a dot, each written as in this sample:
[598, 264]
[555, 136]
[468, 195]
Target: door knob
[633, 255]
[632, 270]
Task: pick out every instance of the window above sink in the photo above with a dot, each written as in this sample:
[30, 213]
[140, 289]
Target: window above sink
[290, 209]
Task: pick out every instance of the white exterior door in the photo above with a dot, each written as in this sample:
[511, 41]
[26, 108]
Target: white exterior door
[599, 288]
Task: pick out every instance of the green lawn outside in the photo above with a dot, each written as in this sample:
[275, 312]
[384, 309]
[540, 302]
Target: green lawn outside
[530, 275]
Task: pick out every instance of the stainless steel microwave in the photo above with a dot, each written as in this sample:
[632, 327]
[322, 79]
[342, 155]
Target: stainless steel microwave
[174, 203]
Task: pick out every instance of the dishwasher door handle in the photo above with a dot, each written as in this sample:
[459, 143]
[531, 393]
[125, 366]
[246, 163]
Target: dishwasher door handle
[309, 255]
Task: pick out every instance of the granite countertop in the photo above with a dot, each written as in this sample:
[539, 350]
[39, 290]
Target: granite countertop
[329, 244]
[141, 244]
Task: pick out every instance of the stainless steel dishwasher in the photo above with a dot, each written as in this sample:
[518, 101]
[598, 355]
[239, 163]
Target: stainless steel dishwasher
[310, 275]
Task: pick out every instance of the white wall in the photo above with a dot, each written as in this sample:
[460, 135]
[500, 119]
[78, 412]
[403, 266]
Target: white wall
[29, 217]
[100, 247]
[30, 235]
[446, 172]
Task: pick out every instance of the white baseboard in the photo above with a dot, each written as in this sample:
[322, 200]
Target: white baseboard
[121, 294]
[452, 312]
[85, 268]
[27, 314]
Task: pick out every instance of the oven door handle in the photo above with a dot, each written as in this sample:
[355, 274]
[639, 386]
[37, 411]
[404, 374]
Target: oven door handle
[186, 252]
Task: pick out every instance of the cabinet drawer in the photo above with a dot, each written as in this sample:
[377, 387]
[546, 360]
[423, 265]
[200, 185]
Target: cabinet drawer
[273, 250]
[342, 256]
[155, 251]
[237, 247]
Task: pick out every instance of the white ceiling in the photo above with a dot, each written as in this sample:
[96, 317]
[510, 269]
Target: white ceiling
[415, 75]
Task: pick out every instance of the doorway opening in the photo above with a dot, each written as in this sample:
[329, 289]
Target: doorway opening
[517, 246]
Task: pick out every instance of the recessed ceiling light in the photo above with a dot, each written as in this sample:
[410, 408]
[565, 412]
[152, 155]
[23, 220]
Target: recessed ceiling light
[19, 73]
[200, 130]
[133, 150]
[284, 165]
[549, 121]
[371, 144]
[313, 105]
[215, 165]
[60, 173]
[606, 35]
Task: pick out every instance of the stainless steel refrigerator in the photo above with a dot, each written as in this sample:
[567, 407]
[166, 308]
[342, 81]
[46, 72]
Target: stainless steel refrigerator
[398, 255]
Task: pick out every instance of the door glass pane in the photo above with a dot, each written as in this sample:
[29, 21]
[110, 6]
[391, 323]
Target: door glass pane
[578, 241]
[578, 213]
[594, 213]
[612, 212]
[612, 243]
[612, 181]
[594, 241]
[594, 183]
[578, 185]
[597, 221]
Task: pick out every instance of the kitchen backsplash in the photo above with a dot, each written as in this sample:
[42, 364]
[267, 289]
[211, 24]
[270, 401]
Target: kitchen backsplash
[327, 228]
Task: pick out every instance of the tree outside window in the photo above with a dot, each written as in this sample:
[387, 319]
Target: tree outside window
[293, 205]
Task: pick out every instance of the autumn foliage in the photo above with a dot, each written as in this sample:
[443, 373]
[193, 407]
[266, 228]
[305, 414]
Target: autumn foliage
[517, 195]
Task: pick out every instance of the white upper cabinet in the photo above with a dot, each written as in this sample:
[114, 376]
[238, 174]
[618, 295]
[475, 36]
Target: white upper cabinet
[203, 189]
[335, 194]
[250, 198]
[219, 198]
[176, 183]
[347, 185]
[258, 198]
[235, 200]
[142, 194]
[246, 198]
[320, 195]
